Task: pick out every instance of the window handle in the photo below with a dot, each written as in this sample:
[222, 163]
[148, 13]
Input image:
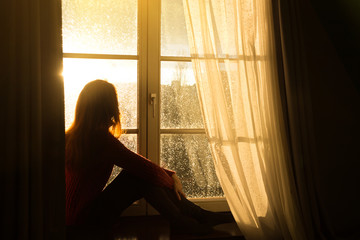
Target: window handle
[153, 102]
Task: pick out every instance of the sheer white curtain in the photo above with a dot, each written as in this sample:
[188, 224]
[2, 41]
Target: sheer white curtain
[232, 50]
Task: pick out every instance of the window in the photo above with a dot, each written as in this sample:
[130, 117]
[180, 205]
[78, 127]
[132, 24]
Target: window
[142, 49]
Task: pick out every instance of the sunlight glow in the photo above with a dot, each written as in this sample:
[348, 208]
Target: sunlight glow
[78, 72]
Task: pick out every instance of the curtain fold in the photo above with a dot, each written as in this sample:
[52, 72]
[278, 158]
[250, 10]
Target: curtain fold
[295, 96]
[323, 115]
[32, 117]
[232, 49]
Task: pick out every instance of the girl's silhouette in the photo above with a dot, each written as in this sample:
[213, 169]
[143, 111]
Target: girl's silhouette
[92, 149]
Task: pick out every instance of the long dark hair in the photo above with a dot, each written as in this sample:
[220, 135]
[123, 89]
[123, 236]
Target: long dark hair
[97, 109]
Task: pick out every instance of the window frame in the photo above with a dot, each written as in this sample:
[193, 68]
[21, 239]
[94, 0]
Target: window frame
[148, 129]
[154, 59]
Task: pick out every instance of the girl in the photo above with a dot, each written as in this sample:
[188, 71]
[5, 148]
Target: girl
[92, 149]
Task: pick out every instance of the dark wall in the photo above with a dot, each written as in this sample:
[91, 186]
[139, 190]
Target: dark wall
[341, 22]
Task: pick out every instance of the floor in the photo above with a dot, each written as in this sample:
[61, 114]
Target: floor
[151, 228]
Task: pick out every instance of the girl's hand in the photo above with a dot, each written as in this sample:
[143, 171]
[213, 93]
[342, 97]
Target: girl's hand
[178, 187]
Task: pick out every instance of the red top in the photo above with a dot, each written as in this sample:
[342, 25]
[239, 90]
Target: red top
[83, 187]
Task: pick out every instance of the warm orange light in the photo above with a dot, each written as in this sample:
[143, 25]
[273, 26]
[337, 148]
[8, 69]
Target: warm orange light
[78, 72]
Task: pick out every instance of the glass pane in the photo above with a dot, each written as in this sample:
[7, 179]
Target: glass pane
[122, 73]
[130, 141]
[100, 26]
[174, 41]
[189, 155]
[179, 102]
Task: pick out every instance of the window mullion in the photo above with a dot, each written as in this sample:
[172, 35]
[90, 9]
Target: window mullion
[143, 76]
[99, 56]
[182, 131]
[153, 76]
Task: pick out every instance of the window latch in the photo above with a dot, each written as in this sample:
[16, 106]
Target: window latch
[153, 102]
